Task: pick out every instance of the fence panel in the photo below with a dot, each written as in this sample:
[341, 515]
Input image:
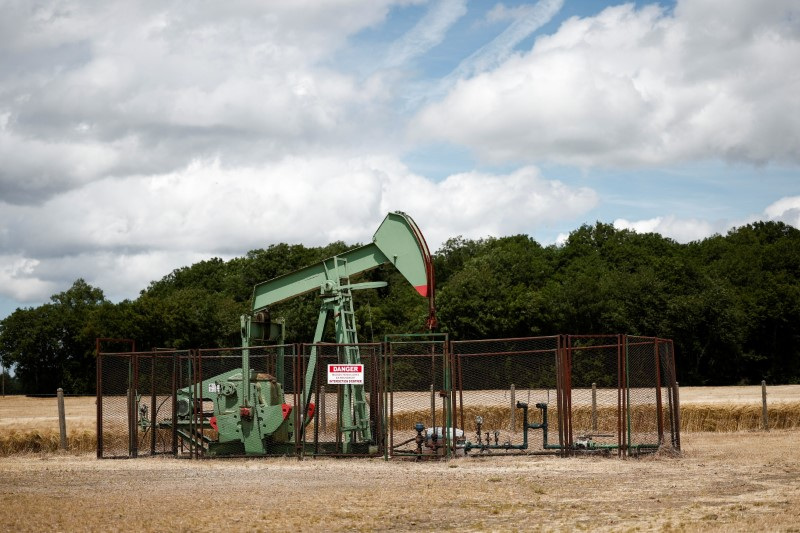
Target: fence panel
[594, 393]
[157, 374]
[136, 393]
[669, 410]
[115, 375]
[420, 401]
[644, 416]
[493, 378]
[348, 417]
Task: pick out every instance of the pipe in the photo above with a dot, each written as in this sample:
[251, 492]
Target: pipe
[545, 445]
[542, 426]
[526, 426]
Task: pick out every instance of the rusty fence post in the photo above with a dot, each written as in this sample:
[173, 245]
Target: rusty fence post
[323, 417]
[99, 401]
[594, 406]
[433, 408]
[678, 410]
[764, 415]
[513, 410]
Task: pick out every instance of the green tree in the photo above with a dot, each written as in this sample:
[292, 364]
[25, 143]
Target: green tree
[494, 294]
[48, 344]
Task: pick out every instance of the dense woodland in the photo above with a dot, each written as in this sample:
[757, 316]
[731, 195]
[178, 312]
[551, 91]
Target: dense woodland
[730, 303]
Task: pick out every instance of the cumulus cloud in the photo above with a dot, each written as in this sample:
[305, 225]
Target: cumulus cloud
[92, 89]
[34, 169]
[476, 204]
[141, 137]
[639, 86]
[786, 210]
[19, 280]
[682, 230]
[207, 209]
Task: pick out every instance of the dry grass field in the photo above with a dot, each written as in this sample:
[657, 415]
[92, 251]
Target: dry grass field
[31, 424]
[725, 480]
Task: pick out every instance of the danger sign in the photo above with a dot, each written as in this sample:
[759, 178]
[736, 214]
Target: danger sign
[339, 374]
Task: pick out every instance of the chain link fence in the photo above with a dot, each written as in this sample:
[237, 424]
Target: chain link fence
[644, 417]
[669, 392]
[594, 393]
[417, 396]
[347, 418]
[135, 390]
[503, 384]
[420, 401]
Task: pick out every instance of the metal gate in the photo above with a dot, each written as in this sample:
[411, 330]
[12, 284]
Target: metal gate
[420, 397]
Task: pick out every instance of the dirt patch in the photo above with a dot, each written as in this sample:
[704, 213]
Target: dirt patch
[722, 482]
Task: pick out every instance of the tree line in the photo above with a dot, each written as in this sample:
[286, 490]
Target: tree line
[731, 303]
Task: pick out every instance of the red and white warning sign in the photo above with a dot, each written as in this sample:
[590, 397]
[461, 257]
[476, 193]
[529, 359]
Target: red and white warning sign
[340, 374]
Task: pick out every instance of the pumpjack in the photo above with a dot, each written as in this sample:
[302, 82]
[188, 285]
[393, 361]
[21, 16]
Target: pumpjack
[250, 414]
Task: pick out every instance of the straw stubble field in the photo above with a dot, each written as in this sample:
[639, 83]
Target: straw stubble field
[724, 480]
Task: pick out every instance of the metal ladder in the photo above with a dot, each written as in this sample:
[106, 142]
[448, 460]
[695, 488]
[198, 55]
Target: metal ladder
[352, 395]
[347, 314]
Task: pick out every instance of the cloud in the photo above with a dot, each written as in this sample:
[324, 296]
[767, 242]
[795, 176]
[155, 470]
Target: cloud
[426, 33]
[147, 225]
[524, 21]
[638, 87]
[19, 280]
[476, 204]
[786, 210]
[96, 89]
[682, 230]
[34, 169]
[141, 137]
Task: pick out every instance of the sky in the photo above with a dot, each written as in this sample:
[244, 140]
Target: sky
[140, 137]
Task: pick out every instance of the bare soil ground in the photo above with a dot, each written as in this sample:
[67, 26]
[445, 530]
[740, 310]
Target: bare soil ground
[740, 481]
[722, 482]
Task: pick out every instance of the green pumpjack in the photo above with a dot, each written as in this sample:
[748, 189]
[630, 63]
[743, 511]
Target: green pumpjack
[251, 415]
